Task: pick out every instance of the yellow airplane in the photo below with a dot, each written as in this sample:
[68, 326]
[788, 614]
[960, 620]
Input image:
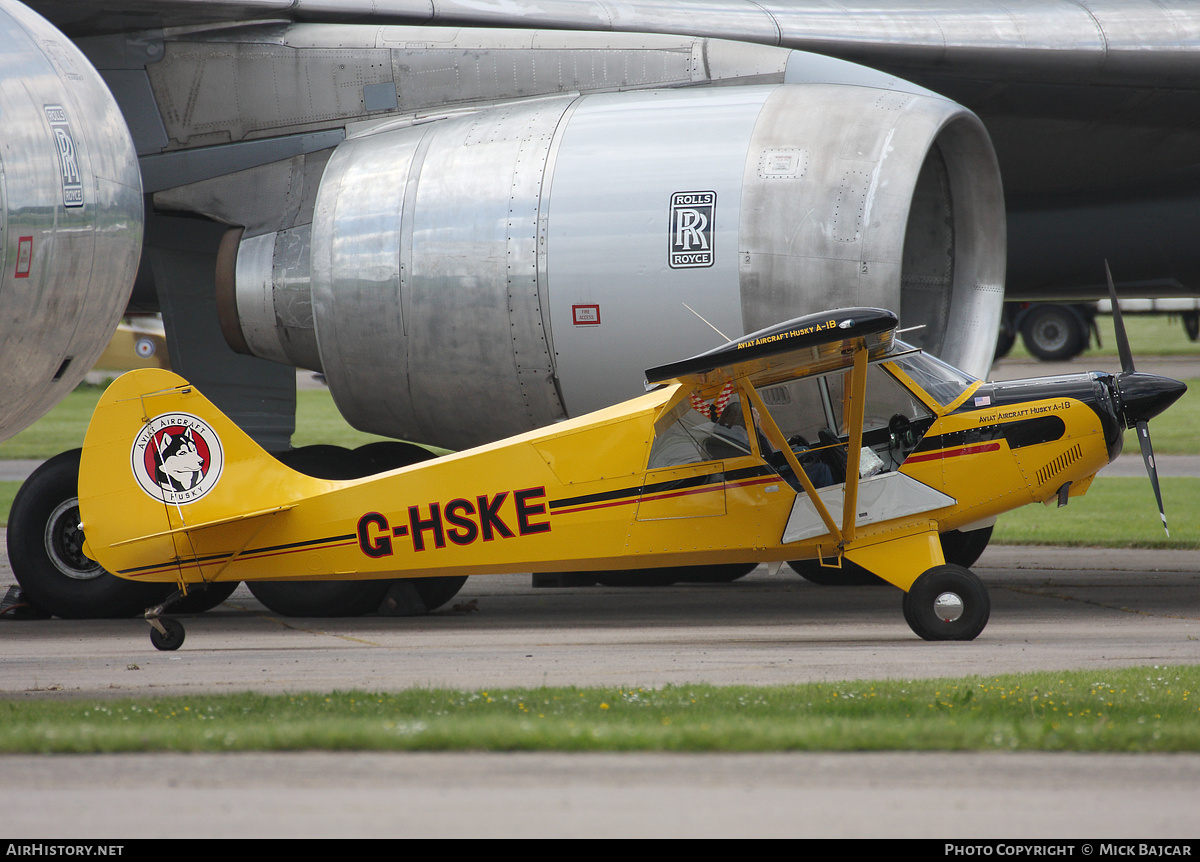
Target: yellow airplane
[824, 439]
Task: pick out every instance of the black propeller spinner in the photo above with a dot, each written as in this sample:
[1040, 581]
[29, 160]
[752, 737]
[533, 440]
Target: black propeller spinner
[1141, 396]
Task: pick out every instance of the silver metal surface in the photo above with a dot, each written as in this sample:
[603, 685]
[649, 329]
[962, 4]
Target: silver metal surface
[425, 287]
[70, 216]
[491, 272]
[948, 607]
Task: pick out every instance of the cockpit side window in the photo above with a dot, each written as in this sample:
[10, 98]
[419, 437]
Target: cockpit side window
[687, 436]
[943, 382]
[811, 412]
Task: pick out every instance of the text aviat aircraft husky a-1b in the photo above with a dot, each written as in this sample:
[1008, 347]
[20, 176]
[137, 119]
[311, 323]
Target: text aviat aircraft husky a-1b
[713, 466]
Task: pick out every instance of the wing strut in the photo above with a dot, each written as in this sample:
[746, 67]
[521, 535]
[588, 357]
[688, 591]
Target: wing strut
[779, 442]
[854, 421]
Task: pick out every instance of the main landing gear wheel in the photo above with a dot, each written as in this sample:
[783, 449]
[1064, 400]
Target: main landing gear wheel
[45, 548]
[171, 638]
[947, 603]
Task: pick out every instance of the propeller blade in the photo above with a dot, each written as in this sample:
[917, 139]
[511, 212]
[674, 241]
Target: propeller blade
[1119, 323]
[1143, 434]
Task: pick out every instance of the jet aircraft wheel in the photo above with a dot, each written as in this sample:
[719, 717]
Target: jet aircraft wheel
[1004, 342]
[1053, 333]
[964, 548]
[663, 577]
[717, 574]
[199, 601]
[385, 455]
[338, 598]
[172, 640]
[947, 603]
[45, 548]
[435, 592]
[320, 598]
[849, 575]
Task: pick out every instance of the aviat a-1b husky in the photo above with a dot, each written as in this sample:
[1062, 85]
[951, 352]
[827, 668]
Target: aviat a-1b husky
[823, 439]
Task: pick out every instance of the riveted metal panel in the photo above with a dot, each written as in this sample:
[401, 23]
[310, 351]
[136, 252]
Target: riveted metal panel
[898, 206]
[621, 160]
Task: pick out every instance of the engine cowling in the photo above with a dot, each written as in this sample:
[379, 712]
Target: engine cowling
[70, 213]
[484, 274]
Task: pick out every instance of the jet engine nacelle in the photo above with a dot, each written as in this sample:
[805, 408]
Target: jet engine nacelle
[70, 216]
[479, 275]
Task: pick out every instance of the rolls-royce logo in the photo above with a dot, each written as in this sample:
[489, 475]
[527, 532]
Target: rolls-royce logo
[68, 159]
[692, 217]
[177, 458]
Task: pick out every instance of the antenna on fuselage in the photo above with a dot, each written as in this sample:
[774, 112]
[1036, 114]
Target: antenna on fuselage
[710, 326]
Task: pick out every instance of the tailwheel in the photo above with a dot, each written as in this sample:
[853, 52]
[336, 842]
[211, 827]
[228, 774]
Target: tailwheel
[166, 634]
[947, 603]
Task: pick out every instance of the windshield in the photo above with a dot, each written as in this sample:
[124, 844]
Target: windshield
[943, 382]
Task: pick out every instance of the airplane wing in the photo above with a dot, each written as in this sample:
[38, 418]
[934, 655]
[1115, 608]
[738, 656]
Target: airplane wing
[815, 344]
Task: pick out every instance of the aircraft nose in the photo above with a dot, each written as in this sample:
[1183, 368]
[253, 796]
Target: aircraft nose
[1144, 396]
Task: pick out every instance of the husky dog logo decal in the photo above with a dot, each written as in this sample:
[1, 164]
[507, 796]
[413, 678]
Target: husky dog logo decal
[177, 458]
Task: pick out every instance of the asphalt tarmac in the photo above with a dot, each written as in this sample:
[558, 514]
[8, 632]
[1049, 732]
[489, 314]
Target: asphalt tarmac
[1051, 609]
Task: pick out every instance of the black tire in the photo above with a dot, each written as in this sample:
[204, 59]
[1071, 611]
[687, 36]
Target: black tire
[725, 573]
[199, 601]
[349, 598]
[435, 592]
[1004, 342]
[849, 575]
[320, 598]
[172, 640]
[385, 455]
[964, 549]
[662, 577]
[947, 603]
[1053, 333]
[45, 549]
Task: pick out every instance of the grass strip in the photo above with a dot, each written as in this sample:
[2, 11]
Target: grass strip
[1129, 710]
[63, 428]
[1116, 512]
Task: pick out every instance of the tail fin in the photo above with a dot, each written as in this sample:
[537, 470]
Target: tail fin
[161, 467]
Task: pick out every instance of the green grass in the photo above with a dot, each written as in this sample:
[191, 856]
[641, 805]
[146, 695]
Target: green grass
[1138, 709]
[1114, 513]
[317, 421]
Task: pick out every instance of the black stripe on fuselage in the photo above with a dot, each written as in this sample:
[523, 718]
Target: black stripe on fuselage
[1020, 433]
[249, 552]
[660, 487]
